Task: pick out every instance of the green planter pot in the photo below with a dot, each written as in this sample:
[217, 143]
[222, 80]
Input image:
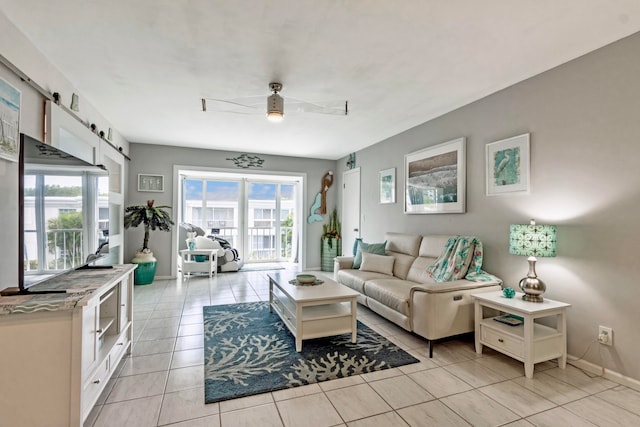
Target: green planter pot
[328, 251]
[146, 270]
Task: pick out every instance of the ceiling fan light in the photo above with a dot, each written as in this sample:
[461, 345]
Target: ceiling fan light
[275, 117]
[275, 108]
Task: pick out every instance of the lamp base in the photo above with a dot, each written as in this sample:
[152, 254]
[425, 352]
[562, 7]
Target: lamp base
[533, 289]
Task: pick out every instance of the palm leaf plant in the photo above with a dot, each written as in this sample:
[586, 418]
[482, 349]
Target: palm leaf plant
[152, 217]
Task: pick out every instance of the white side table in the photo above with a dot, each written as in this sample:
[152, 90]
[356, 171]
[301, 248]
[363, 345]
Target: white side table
[190, 265]
[530, 342]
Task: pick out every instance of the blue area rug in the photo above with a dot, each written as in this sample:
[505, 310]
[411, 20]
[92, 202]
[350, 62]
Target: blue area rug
[248, 350]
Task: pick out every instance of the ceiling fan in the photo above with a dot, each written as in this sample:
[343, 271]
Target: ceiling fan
[275, 105]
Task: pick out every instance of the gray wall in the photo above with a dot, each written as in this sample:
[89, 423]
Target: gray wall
[584, 126]
[31, 124]
[160, 160]
[26, 57]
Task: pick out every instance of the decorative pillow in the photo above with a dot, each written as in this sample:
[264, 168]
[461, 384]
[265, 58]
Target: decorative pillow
[377, 263]
[229, 255]
[356, 245]
[372, 248]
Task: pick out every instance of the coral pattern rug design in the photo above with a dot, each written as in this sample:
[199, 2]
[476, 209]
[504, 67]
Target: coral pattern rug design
[248, 350]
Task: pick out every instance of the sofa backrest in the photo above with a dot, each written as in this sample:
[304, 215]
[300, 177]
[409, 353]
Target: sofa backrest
[404, 248]
[431, 247]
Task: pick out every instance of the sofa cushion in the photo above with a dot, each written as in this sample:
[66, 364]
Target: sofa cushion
[433, 246]
[418, 271]
[372, 248]
[377, 263]
[408, 244]
[355, 279]
[402, 264]
[391, 292]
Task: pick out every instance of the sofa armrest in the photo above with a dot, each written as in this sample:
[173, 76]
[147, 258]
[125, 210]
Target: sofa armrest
[452, 286]
[341, 263]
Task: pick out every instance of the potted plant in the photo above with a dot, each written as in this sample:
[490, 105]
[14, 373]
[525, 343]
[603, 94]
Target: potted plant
[331, 246]
[153, 218]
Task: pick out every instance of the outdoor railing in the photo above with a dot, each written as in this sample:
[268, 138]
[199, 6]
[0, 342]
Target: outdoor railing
[64, 250]
[262, 242]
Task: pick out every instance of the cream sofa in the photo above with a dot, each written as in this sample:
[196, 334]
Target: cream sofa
[409, 297]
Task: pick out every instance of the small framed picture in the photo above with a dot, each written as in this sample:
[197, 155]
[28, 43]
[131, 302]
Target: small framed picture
[387, 185]
[10, 98]
[508, 166]
[147, 182]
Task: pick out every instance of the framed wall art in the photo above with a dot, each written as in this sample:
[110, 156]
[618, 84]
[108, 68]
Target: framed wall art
[147, 182]
[387, 185]
[435, 179]
[9, 121]
[508, 166]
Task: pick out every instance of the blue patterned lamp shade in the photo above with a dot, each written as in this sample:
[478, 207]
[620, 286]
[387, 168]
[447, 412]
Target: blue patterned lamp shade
[533, 240]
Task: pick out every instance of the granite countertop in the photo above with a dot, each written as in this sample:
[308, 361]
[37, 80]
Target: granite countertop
[77, 285]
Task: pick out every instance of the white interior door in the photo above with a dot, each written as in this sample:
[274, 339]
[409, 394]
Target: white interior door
[350, 209]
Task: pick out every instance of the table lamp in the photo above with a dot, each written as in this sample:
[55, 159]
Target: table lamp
[532, 240]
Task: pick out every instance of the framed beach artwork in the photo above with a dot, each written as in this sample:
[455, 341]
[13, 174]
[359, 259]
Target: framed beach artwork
[387, 185]
[508, 166]
[435, 179]
[9, 120]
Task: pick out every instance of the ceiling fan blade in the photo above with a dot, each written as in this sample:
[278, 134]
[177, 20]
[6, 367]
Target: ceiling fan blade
[248, 105]
[340, 108]
[257, 105]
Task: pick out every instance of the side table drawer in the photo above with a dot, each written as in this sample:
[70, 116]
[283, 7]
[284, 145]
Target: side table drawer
[501, 342]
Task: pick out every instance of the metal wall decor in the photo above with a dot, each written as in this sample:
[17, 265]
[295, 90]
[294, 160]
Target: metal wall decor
[351, 163]
[246, 161]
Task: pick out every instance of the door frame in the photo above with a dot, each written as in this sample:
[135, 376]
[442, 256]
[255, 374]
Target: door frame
[300, 222]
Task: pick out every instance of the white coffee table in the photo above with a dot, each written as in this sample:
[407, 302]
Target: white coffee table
[313, 311]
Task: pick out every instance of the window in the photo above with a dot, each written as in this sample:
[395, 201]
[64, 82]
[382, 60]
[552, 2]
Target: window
[56, 210]
[257, 217]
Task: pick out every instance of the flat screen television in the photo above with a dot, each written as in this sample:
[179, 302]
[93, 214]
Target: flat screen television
[63, 214]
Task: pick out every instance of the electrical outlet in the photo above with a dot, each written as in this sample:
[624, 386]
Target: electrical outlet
[605, 335]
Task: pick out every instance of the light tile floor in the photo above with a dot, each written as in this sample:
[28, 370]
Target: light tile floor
[161, 383]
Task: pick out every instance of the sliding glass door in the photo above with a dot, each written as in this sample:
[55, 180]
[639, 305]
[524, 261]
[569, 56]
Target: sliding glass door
[214, 206]
[271, 234]
[257, 217]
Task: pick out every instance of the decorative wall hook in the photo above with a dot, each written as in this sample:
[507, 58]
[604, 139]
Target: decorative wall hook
[75, 103]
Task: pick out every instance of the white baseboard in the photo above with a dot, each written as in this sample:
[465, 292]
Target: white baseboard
[603, 372]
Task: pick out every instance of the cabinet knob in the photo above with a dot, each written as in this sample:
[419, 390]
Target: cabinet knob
[500, 340]
[123, 305]
[99, 331]
[97, 381]
[120, 343]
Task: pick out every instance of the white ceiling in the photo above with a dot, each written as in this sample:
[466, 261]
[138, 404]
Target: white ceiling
[145, 64]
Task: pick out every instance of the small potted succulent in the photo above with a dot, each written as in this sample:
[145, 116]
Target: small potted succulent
[152, 218]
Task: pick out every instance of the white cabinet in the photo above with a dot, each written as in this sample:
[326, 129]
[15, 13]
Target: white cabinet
[530, 342]
[55, 364]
